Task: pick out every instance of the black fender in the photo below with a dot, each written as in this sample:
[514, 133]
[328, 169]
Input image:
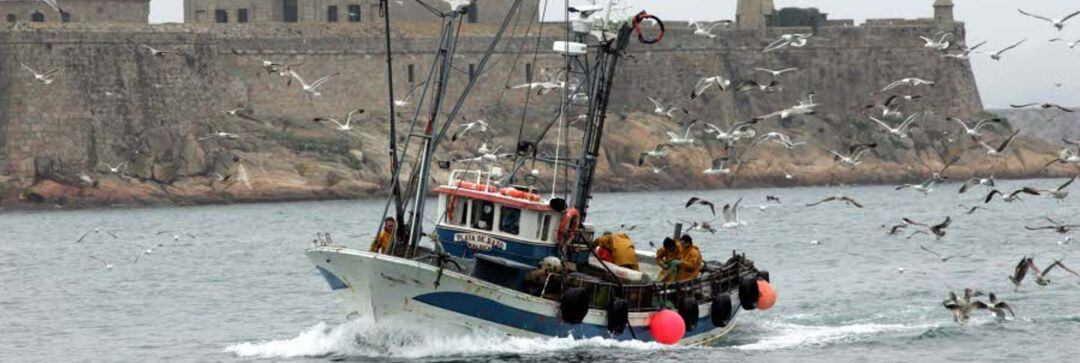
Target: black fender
[748, 292]
[574, 304]
[688, 310]
[618, 316]
[721, 310]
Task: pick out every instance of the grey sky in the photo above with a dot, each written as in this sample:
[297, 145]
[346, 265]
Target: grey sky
[1027, 74]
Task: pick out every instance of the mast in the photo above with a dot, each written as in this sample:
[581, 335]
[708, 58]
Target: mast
[395, 192]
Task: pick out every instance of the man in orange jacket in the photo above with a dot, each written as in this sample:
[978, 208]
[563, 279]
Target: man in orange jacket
[382, 242]
[690, 262]
[667, 257]
[621, 248]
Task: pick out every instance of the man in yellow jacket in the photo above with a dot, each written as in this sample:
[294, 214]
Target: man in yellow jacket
[621, 247]
[382, 242]
[690, 262]
[667, 257]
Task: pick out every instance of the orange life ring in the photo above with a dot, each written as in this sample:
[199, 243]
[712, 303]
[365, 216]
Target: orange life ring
[514, 193]
[477, 187]
[568, 228]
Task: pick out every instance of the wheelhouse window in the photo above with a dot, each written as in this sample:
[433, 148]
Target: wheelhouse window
[459, 211]
[290, 11]
[331, 14]
[483, 215]
[543, 221]
[37, 17]
[354, 13]
[221, 16]
[241, 15]
[509, 220]
[65, 17]
[474, 13]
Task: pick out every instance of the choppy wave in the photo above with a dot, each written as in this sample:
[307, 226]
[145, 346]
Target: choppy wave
[787, 335]
[359, 338]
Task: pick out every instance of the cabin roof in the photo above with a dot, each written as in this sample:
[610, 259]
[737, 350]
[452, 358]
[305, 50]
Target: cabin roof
[494, 198]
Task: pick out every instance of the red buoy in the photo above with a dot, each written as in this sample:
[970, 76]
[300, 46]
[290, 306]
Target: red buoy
[766, 295]
[667, 327]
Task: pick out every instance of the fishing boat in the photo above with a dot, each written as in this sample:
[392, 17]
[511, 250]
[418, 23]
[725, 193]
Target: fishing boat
[504, 255]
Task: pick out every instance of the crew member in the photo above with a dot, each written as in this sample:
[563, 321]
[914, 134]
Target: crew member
[382, 242]
[690, 262]
[621, 247]
[667, 257]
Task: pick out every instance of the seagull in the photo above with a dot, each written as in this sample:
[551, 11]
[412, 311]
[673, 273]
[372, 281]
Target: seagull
[734, 133]
[115, 169]
[1044, 106]
[661, 110]
[941, 43]
[702, 226]
[660, 151]
[223, 135]
[1012, 197]
[750, 85]
[1057, 23]
[855, 152]
[998, 55]
[243, 113]
[891, 108]
[1059, 193]
[656, 169]
[45, 78]
[986, 182]
[705, 82]
[999, 308]
[146, 252]
[772, 199]
[176, 235]
[1021, 271]
[779, 138]
[1056, 226]
[925, 187]
[731, 216]
[699, 201]
[347, 126]
[719, 166]
[896, 228]
[52, 4]
[942, 258]
[937, 229]
[408, 95]
[479, 125]
[803, 106]
[899, 131]
[313, 88]
[1040, 276]
[707, 30]
[788, 40]
[1000, 150]
[838, 198]
[974, 131]
[153, 51]
[910, 82]
[271, 67]
[685, 139]
[778, 73]
[95, 231]
[103, 262]
[1071, 45]
[1065, 156]
[962, 308]
[966, 52]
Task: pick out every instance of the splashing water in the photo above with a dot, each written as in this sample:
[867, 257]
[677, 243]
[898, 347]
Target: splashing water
[789, 335]
[358, 338]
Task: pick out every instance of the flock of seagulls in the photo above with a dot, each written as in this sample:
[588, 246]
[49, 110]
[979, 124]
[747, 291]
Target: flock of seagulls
[142, 250]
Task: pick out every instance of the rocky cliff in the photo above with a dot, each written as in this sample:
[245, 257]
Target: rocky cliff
[115, 103]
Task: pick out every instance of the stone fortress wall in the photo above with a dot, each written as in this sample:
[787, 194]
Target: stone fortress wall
[117, 103]
[78, 11]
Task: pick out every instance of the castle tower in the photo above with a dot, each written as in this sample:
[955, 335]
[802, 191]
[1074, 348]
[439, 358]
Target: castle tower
[943, 11]
[750, 14]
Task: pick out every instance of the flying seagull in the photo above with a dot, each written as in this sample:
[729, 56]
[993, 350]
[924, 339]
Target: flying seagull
[153, 51]
[1057, 23]
[750, 85]
[1071, 45]
[854, 154]
[962, 308]
[804, 106]
[45, 78]
[1055, 226]
[937, 230]
[940, 257]
[686, 138]
[734, 133]
[986, 182]
[718, 167]
[910, 82]
[95, 231]
[1040, 276]
[707, 29]
[478, 125]
[939, 43]
[698, 201]
[779, 138]
[660, 151]
[408, 95]
[103, 262]
[838, 198]
[669, 111]
[974, 131]
[1011, 197]
[778, 73]
[998, 55]
[271, 67]
[788, 40]
[223, 135]
[731, 216]
[705, 83]
[999, 308]
[347, 126]
[996, 151]
[1044, 106]
[115, 169]
[1060, 193]
[312, 89]
[899, 131]
[966, 52]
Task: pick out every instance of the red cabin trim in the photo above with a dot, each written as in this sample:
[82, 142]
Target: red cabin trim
[494, 198]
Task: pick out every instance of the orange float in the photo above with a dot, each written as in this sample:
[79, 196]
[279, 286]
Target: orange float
[766, 295]
[667, 327]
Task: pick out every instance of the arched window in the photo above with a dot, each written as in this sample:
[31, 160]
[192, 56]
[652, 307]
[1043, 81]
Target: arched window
[37, 17]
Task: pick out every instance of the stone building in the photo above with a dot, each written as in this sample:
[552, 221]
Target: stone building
[330, 11]
[943, 11]
[77, 11]
[751, 14]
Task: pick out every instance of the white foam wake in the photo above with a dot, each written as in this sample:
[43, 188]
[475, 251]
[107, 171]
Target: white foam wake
[359, 338]
[798, 336]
